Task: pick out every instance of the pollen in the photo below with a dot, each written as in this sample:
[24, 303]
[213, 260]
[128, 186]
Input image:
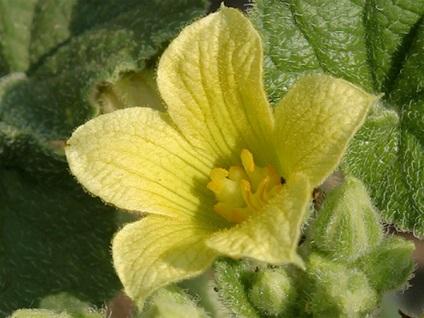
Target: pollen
[242, 191]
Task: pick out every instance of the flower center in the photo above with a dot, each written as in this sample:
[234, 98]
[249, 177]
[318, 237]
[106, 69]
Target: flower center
[243, 191]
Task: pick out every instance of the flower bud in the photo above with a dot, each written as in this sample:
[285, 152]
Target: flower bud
[338, 290]
[128, 90]
[172, 302]
[272, 291]
[347, 226]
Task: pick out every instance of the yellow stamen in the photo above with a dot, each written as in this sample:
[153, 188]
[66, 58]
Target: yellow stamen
[243, 191]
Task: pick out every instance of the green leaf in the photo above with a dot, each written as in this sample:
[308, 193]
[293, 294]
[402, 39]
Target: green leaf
[375, 44]
[54, 238]
[390, 29]
[31, 30]
[311, 36]
[15, 34]
[337, 36]
[50, 27]
[388, 153]
[288, 55]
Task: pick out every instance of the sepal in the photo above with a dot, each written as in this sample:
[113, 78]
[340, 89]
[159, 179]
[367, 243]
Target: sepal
[390, 265]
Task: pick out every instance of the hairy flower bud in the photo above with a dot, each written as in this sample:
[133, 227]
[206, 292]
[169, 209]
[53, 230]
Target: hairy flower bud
[272, 291]
[347, 226]
[339, 290]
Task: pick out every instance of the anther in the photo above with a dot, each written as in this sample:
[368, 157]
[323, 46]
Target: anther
[243, 190]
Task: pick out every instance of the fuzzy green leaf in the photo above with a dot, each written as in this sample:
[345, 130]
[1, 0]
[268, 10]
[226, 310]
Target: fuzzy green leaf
[391, 28]
[54, 238]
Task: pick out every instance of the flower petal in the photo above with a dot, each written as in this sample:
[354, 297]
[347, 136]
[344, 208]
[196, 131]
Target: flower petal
[314, 123]
[159, 250]
[133, 158]
[273, 234]
[211, 80]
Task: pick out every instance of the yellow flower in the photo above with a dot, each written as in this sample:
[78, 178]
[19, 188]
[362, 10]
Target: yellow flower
[221, 172]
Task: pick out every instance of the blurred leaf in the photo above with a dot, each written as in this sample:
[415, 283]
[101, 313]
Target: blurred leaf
[50, 27]
[44, 313]
[62, 301]
[375, 44]
[61, 305]
[15, 34]
[54, 238]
